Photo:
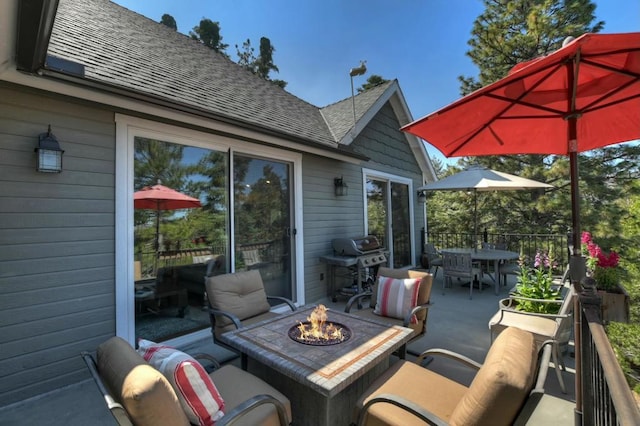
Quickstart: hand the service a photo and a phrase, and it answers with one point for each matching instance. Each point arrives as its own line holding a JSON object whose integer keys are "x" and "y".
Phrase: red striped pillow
{"x": 198, "y": 396}
{"x": 397, "y": 296}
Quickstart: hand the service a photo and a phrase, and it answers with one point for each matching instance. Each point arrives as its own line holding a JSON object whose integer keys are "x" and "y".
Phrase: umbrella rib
{"x": 588, "y": 108}
{"x": 611, "y": 69}
{"x": 553, "y": 111}
{"x": 512, "y": 103}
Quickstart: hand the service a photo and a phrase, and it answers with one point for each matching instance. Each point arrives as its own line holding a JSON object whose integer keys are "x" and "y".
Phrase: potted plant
{"x": 603, "y": 267}
{"x": 537, "y": 283}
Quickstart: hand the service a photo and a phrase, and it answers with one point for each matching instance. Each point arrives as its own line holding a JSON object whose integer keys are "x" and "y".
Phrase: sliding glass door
{"x": 389, "y": 217}
{"x": 238, "y": 215}
{"x": 262, "y": 221}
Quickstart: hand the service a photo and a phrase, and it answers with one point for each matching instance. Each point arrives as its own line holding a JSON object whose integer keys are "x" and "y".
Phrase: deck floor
{"x": 454, "y": 322}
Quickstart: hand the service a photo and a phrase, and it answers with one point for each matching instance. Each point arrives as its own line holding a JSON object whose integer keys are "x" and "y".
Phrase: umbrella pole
{"x": 157, "y": 243}
{"x": 475, "y": 220}
{"x": 576, "y": 265}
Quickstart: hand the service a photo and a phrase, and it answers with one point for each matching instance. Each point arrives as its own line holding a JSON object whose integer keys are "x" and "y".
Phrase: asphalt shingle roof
{"x": 124, "y": 49}
{"x": 339, "y": 116}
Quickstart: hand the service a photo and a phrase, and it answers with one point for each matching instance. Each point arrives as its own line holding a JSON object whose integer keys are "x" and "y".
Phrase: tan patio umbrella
{"x": 477, "y": 178}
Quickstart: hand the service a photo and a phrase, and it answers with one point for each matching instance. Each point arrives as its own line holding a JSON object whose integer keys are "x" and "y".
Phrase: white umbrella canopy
{"x": 477, "y": 178}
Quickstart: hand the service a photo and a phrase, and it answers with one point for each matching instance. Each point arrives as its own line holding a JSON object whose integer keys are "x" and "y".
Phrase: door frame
{"x": 127, "y": 128}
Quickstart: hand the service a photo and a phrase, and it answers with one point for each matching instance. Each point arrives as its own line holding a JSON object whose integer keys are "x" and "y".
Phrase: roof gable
{"x": 340, "y": 118}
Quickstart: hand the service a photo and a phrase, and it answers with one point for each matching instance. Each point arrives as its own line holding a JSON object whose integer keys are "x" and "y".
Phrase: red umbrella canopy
{"x": 594, "y": 79}
{"x": 159, "y": 197}
{"x": 583, "y": 96}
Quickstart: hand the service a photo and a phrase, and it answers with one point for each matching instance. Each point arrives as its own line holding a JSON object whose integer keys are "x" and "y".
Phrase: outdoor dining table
{"x": 489, "y": 255}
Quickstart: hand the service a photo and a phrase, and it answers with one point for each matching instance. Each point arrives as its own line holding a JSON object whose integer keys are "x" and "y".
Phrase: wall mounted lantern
{"x": 422, "y": 196}
{"x": 341, "y": 187}
{"x": 49, "y": 153}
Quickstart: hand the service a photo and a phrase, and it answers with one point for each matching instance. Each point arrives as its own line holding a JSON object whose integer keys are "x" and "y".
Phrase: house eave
{"x": 35, "y": 23}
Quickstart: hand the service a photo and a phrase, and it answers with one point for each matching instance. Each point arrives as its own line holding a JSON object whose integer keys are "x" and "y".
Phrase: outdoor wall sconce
{"x": 341, "y": 187}
{"x": 49, "y": 153}
{"x": 422, "y": 196}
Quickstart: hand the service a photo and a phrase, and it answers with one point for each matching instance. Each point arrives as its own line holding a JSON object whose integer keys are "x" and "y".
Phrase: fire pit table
{"x": 322, "y": 382}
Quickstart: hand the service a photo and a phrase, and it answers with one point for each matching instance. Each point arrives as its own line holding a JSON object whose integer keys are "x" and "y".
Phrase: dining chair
{"x": 460, "y": 265}
{"x": 433, "y": 258}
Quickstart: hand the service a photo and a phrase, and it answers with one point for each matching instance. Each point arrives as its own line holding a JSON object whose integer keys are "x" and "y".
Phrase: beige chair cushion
{"x": 430, "y": 390}
{"x": 143, "y": 391}
{"x": 238, "y": 386}
{"x": 240, "y": 293}
{"x": 502, "y": 384}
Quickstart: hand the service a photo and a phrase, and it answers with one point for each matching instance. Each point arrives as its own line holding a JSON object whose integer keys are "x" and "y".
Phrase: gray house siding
{"x": 386, "y": 146}
{"x": 57, "y": 245}
{"x": 389, "y": 152}
{"x": 327, "y": 216}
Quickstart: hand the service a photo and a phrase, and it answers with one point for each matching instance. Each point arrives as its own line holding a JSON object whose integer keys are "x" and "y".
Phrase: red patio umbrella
{"x": 583, "y": 96}
{"x": 158, "y": 198}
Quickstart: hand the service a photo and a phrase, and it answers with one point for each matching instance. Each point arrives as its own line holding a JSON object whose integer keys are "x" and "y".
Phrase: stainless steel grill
{"x": 358, "y": 259}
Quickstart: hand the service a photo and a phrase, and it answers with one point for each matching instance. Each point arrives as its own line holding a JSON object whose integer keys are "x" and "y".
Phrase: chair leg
{"x": 435, "y": 274}
{"x": 554, "y": 353}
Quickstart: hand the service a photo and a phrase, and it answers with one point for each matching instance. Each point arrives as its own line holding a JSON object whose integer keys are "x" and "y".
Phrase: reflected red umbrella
{"x": 583, "y": 96}
{"x": 158, "y": 198}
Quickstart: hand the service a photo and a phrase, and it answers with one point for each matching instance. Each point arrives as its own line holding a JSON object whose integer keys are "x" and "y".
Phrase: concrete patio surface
{"x": 454, "y": 322}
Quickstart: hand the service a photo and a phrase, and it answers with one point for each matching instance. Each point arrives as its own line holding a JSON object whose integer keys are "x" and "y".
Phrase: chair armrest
{"x": 515, "y": 297}
{"x": 356, "y": 298}
{"x": 418, "y": 411}
{"x": 510, "y": 307}
{"x": 236, "y": 321}
{"x": 413, "y": 311}
{"x": 285, "y": 300}
{"x": 450, "y": 355}
{"x": 213, "y": 360}
{"x": 116, "y": 409}
{"x": 237, "y": 413}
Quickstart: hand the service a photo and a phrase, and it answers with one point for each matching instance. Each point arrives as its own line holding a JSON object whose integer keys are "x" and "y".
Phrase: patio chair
{"x": 460, "y": 266}
{"x": 508, "y": 268}
{"x": 432, "y": 259}
{"x": 414, "y": 317}
{"x": 237, "y": 300}
{"x": 554, "y": 327}
{"x": 505, "y": 390}
{"x": 137, "y": 393}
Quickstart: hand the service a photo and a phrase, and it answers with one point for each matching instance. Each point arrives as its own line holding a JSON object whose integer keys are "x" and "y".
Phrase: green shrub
{"x": 625, "y": 341}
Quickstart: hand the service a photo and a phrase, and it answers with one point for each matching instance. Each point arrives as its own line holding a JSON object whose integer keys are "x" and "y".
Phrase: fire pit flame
{"x": 317, "y": 331}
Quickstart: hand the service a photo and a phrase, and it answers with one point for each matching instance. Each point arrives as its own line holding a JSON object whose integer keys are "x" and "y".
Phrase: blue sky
{"x": 422, "y": 43}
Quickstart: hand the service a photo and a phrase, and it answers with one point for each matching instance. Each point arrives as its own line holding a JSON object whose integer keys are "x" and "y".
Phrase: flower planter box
{"x": 615, "y": 305}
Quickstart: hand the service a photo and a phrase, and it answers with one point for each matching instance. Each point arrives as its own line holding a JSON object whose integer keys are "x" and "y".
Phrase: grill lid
{"x": 355, "y": 246}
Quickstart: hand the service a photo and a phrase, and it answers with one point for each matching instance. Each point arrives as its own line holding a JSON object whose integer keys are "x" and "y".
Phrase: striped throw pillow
{"x": 198, "y": 396}
{"x": 397, "y": 296}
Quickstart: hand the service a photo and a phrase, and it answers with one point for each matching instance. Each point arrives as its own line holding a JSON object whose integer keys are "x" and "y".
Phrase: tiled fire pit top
{"x": 327, "y": 369}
